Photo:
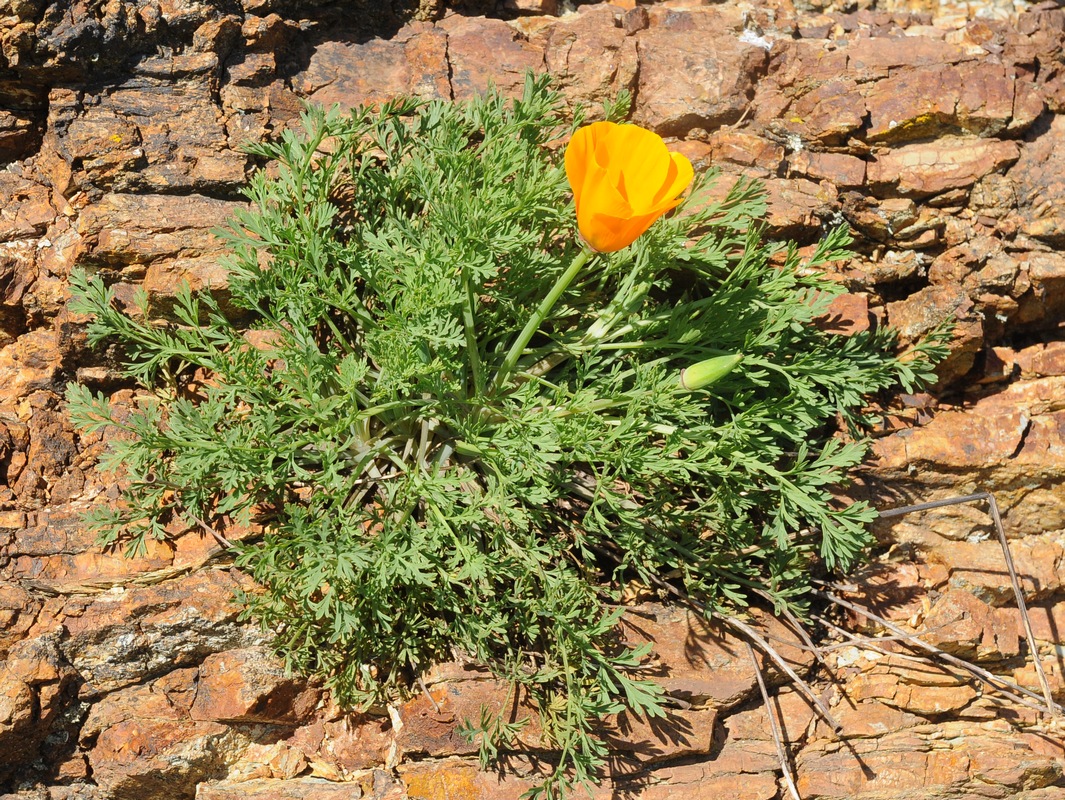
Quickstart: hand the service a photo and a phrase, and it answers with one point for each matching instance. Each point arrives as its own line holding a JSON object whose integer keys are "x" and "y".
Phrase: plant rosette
{"x": 468, "y": 432}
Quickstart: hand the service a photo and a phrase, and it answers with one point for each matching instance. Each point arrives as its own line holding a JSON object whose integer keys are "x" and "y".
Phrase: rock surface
{"x": 936, "y": 132}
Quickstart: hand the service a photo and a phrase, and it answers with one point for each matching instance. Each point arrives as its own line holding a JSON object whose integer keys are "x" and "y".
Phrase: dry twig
{"x": 989, "y": 678}
{"x": 429, "y": 697}
{"x": 750, "y": 635}
{"x": 1018, "y": 592}
{"x": 774, "y": 726}
{"x": 868, "y": 643}
{"x": 222, "y": 540}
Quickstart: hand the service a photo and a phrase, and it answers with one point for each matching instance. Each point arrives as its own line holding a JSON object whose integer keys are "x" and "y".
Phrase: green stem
{"x": 538, "y": 317}
{"x": 471, "y": 336}
{"x": 612, "y": 313}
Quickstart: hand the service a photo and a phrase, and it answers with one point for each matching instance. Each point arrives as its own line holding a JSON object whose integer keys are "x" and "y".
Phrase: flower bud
{"x": 700, "y": 375}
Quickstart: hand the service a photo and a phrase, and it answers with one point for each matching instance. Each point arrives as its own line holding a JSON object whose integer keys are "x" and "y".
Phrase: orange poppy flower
{"x": 623, "y": 179}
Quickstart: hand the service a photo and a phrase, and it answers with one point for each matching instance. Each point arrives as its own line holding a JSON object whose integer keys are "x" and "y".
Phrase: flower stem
{"x": 538, "y": 317}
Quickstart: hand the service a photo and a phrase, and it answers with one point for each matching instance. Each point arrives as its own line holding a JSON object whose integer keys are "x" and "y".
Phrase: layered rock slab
{"x": 851, "y": 122}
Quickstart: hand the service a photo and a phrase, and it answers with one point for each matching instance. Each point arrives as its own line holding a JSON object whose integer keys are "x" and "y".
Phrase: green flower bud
{"x": 467, "y": 449}
{"x": 706, "y": 372}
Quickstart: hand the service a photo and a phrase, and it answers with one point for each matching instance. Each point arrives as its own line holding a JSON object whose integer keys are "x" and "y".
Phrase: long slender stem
{"x": 988, "y": 677}
{"x": 746, "y": 631}
{"x": 774, "y": 727}
{"x": 538, "y": 317}
{"x": 1018, "y": 592}
{"x": 468, "y": 324}
{"x": 599, "y": 329}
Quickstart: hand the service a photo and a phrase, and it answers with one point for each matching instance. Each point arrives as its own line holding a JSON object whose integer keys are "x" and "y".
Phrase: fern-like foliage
{"x": 415, "y": 506}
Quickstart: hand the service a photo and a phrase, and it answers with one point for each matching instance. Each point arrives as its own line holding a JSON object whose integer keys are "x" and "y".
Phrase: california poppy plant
{"x": 623, "y": 179}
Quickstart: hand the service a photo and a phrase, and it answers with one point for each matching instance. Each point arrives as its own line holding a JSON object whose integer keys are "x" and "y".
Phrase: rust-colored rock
{"x": 868, "y": 719}
{"x": 978, "y": 567}
{"x": 794, "y": 715}
{"x": 125, "y": 229}
{"x": 1040, "y": 186}
{"x": 1048, "y": 620}
{"x": 935, "y": 136}
{"x": 678, "y": 733}
{"x": 897, "y": 590}
{"x": 375, "y": 786}
{"x": 925, "y": 691}
{"x": 896, "y": 764}
{"x": 798, "y": 208}
{"x": 250, "y": 685}
{"x": 691, "y": 661}
{"x": 35, "y": 683}
{"x": 937, "y": 166}
{"x": 1037, "y": 361}
{"x": 960, "y": 539}
{"x": 118, "y": 638}
{"x": 277, "y": 761}
{"x": 56, "y": 552}
{"x": 700, "y": 663}
{"x": 31, "y": 364}
{"x": 997, "y": 434}
{"x": 150, "y": 135}
{"x": 18, "y": 132}
{"x": 729, "y": 146}
{"x": 166, "y": 240}
{"x": 18, "y": 609}
{"x": 413, "y": 62}
{"x": 926, "y": 310}
{"x": 960, "y": 623}
{"x": 894, "y": 220}
{"x": 753, "y": 780}
{"x": 433, "y": 730}
{"x": 840, "y": 169}
{"x": 696, "y": 71}
{"x": 910, "y": 762}
{"x": 912, "y": 104}
{"x": 26, "y": 209}
{"x": 590, "y": 57}
{"x": 846, "y": 314}
{"x": 531, "y": 6}
{"x": 146, "y": 745}
{"x": 1027, "y": 677}
{"x": 1046, "y": 271}
{"x": 454, "y": 777}
{"x": 18, "y": 270}
{"x": 480, "y": 52}
{"x": 827, "y": 113}
{"x": 338, "y": 745}
{"x": 878, "y": 56}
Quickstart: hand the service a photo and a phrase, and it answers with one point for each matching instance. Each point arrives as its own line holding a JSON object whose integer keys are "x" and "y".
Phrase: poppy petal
{"x": 623, "y": 178}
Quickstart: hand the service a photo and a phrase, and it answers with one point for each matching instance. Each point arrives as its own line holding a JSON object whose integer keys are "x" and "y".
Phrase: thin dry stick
{"x": 797, "y": 627}
{"x": 101, "y": 585}
{"x": 774, "y": 726}
{"x": 1018, "y": 592}
{"x": 877, "y": 640}
{"x": 1048, "y": 695}
{"x": 871, "y": 644}
{"x": 425, "y": 691}
{"x": 988, "y": 677}
{"x": 222, "y": 540}
{"x": 752, "y": 635}
{"x": 748, "y": 633}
